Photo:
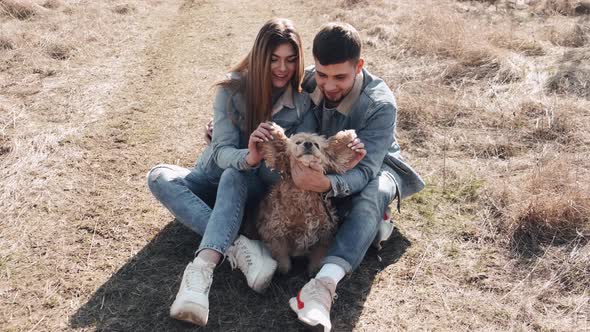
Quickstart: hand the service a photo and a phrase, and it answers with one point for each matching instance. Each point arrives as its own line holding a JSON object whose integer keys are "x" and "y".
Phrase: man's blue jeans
{"x": 362, "y": 215}
{"x": 189, "y": 194}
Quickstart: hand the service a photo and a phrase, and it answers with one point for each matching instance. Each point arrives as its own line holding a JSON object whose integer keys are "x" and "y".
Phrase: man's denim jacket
{"x": 228, "y": 146}
{"x": 370, "y": 110}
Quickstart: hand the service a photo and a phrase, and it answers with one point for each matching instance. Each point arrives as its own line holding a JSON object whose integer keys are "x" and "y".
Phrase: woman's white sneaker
{"x": 253, "y": 258}
{"x": 192, "y": 301}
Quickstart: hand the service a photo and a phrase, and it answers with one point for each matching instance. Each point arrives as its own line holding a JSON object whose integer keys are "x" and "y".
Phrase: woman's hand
{"x": 261, "y": 134}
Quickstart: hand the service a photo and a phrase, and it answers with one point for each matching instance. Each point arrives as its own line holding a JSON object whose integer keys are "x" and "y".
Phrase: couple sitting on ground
{"x": 270, "y": 84}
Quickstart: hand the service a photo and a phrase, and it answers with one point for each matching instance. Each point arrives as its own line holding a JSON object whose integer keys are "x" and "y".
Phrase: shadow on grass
{"x": 138, "y": 296}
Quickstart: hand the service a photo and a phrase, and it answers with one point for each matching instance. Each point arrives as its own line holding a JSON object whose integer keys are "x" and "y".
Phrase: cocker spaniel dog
{"x": 295, "y": 222}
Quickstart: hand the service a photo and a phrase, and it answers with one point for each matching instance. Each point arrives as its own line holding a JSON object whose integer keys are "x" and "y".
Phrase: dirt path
{"x": 84, "y": 235}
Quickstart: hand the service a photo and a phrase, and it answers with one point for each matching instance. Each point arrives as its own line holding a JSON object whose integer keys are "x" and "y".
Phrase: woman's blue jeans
{"x": 213, "y": 210}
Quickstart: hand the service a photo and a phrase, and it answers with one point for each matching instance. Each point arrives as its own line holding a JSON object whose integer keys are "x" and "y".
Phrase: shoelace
{"x": 241, "y": 253}
{"x": 322, "y": 295}
{"x": 198, "y": 280}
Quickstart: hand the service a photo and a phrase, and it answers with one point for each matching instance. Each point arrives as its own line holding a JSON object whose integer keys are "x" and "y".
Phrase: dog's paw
{"x": 275, "y": 150}
{"x": 339, "y": 154}
{"x": 277, "y": 132}
{"x": 284, "y": 265}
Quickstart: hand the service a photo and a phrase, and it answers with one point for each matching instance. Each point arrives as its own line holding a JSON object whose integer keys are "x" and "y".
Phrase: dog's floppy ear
{"x": 338, "y": 153}
{"x": 275, "y": 151}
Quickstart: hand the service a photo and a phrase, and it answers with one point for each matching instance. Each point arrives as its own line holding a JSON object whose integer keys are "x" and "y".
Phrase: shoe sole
{"x": 191, "y": 317}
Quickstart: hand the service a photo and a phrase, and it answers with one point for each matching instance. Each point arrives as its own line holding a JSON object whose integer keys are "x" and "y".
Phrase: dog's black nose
{"x": 307, "y": 145}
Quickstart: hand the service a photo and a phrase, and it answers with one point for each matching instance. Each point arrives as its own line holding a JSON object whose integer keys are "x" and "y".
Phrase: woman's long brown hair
{"x": 255, "y": 81}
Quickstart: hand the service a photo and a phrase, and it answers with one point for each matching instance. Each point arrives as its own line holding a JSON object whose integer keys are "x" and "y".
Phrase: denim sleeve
{"x": 226, "y": 135}
{"x": 377, "y": 135}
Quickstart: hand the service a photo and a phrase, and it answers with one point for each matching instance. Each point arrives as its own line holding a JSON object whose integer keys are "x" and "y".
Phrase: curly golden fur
{"x": 291, "y": 221}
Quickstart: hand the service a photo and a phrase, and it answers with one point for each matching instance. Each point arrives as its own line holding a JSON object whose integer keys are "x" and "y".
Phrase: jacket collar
{"x": 346, "y": 104}
{"x": 286, "y": 100}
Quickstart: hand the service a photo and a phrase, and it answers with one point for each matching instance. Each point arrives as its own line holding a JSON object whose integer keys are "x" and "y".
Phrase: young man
{"x": 346, "y": 96}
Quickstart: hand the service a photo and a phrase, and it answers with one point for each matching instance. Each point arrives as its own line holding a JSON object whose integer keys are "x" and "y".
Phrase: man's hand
{"x": 311, "y": 178}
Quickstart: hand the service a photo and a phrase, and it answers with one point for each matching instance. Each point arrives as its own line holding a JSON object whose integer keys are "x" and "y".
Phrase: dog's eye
{"x": 316, "y": 145}
{"x": 297, "y": 142}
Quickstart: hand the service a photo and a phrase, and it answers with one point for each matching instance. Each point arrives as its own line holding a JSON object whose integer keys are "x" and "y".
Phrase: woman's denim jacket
{"x": 228, "y": 147}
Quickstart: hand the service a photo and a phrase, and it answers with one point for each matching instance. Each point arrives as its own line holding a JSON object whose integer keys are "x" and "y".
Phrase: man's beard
{"x": 330, "y": 103}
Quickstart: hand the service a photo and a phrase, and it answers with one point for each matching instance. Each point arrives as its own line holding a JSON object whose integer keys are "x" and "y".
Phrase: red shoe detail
{"x": 299, "y": 302}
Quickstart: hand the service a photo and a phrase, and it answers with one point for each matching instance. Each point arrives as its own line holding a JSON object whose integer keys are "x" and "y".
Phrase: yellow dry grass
{"x": 20, "y": 9}
{"x": 493, "y": 111}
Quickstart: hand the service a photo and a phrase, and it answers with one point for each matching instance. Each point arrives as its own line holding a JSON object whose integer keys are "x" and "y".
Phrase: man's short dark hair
{"x": 337, "y": 43}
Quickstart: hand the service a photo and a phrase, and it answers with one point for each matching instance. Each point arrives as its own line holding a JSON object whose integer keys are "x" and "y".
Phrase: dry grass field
{"x": 494, "y": 111}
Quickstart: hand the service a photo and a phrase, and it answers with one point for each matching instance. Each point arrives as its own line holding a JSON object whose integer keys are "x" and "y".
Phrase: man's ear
{"x": 359, "y": 65}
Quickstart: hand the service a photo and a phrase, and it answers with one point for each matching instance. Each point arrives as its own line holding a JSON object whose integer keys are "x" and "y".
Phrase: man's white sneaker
{"x": 313, "y": 302}
{"x": 192, "y": 301}
{"x": 385, "y": 230}
{"x": 254, "y": 259}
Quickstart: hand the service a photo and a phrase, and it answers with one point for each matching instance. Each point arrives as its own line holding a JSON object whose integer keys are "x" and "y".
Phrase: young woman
{"x": 264, "y": 86}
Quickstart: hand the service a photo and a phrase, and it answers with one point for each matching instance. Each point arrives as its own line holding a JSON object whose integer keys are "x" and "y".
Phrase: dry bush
{"x": 573, "y": 76}
{"x": 124, "y": 9}
{"x": 583, "y": 8}
{"x": 525, "y": 46}
{"x": 58, "y": 50}
{"x": 483, "y": 64}
{"x": 552, "y": 218}
{"x": 550, "y": 207}
{"x": 568, "y": 268}
{"x": 445, "y": 33}
{"x": 441, "y": 33}
{"x": 571, "y": 80}
{"x": 429, "y": 105}
{"x": 573, "y": 35}
{"x": 564, "y": 7}
{"x": 6, "y": 43}
{"x": 574, "y": 273}
{"x": 382, "y": 32}
{"x": 560, "y": 128}
{"x": 20, "y": 9}
{"x": 548, "y": 122}
{"x": 488, "y": 1}
{"x": 564, "y": 271}
{"x": 500, "y": 148}
{"x": 532, "y": 109}
{"x": 52, "y": 4}
{"x": 350, "y": 3}
{"x": 5, "y": 146}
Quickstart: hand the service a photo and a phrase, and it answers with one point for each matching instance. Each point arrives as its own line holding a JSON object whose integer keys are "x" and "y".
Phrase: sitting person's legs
{"x": 235, "y": 187}
{"x": 187, "y": 193}
{"x": 353, "y": 239}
